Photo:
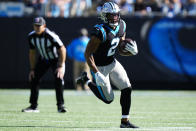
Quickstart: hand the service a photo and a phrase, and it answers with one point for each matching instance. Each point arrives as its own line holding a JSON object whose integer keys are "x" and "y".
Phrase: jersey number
{"x": 114, "y": 44}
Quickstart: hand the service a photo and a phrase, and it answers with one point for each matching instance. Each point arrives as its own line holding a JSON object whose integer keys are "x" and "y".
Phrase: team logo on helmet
{"x": 110, "y": 13}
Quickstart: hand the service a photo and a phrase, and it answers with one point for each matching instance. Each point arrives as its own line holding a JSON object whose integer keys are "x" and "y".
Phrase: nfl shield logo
{"x": 36, "y": 20}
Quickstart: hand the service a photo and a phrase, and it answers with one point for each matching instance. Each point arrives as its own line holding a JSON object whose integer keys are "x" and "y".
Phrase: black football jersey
{"x": 110, "y": 38}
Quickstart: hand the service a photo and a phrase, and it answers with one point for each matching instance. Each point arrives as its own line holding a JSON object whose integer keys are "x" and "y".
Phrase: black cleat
{"x": 82, "y": 79}
{"x": 127, "y": 125}
{"x": 62, "y": 109}
{"x": 30, "y": 109}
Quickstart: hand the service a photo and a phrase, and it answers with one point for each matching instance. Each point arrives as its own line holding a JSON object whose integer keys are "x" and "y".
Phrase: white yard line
{"x": 98, "y": 122}
{"x": 36, "y": 121}
{"x": 186, "y": 128}
{"x": 187, "y": 113}
{"x": 180, "y": 124}
{"x": 95, "y": 116}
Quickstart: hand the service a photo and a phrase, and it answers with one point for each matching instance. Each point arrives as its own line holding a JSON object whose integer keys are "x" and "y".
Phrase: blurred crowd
{"x": 77, "y": 8}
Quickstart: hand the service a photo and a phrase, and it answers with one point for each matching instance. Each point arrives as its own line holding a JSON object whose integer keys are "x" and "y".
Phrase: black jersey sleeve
{"x": 99, "y": 32}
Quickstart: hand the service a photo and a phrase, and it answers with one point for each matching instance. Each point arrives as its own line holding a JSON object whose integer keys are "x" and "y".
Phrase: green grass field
{"x": 151, "y": 110}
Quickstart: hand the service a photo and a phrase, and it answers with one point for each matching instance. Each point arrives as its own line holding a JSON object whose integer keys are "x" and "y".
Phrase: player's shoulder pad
{"x": 124, "y": 24}
{"x": 100, "y": 28}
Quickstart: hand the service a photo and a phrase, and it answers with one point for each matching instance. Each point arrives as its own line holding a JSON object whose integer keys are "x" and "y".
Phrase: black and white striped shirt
{"x": 47, "y": 44}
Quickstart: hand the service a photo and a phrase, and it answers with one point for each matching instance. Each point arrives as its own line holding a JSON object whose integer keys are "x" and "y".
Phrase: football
{"x": 123, "y": 44}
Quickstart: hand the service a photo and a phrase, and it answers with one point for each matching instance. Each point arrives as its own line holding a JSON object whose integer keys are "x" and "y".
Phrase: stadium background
{"x": 166, "y": 42}
{"x": 166, "y": 58}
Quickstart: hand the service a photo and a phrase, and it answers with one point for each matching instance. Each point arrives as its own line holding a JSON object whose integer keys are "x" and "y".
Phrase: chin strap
{"x": 114, "y": 25}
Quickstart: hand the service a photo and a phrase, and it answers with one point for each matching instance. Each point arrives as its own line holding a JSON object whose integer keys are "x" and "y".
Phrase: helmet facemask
{"x": 110, "y": 14}
{"x": 113, "y": 19}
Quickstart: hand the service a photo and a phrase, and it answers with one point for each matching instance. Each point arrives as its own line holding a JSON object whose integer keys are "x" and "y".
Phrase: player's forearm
{"x": 62, "y": 56}
{"x": 91, "y": 62}
{"x": 32, "y": 59}
{"x": 90, "y": 49}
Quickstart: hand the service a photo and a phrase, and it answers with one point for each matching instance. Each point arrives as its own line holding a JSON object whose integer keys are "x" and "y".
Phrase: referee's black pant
{"x": 41, "y": 68}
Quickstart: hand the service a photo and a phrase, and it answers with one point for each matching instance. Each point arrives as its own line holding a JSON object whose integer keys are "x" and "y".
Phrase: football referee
{"x": 52, "y": 54}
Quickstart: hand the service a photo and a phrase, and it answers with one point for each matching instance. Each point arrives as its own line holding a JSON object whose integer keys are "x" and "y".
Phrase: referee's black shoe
{"x": 127, "y": 124}
{"x": 30, "y": 109}
{"x": 61, "y": 109}
{"x": 82, "y": 79}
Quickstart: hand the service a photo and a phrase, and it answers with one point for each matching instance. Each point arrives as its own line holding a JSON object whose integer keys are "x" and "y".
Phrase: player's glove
{"x": 132, "y": 47}
{"x": 100, "y": 79}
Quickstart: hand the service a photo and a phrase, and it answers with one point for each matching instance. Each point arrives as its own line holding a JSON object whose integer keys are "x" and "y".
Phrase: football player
{"x": 105, "y": 69}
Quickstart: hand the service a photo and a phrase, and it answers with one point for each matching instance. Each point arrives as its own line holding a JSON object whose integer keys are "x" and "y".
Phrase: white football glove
{"x": 132, "y": 48}
{"x": 100, "y": 79}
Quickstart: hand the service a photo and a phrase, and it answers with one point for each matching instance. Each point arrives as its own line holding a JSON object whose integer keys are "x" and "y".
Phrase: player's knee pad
{"x": 109, "y": 98}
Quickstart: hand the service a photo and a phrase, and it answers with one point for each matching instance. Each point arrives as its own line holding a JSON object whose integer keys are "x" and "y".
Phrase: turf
{"x": 151, "y": 110}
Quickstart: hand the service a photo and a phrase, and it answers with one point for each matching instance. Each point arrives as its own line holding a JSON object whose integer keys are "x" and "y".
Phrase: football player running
{"x": 104, "y": 67}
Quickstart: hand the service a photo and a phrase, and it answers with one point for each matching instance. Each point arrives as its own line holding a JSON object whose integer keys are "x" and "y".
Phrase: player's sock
{"x": 125, "y": 101}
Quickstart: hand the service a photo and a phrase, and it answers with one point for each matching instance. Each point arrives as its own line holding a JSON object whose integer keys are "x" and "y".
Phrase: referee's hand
{"x": 60, "y": 72}
{"x": 31, "y": 75}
